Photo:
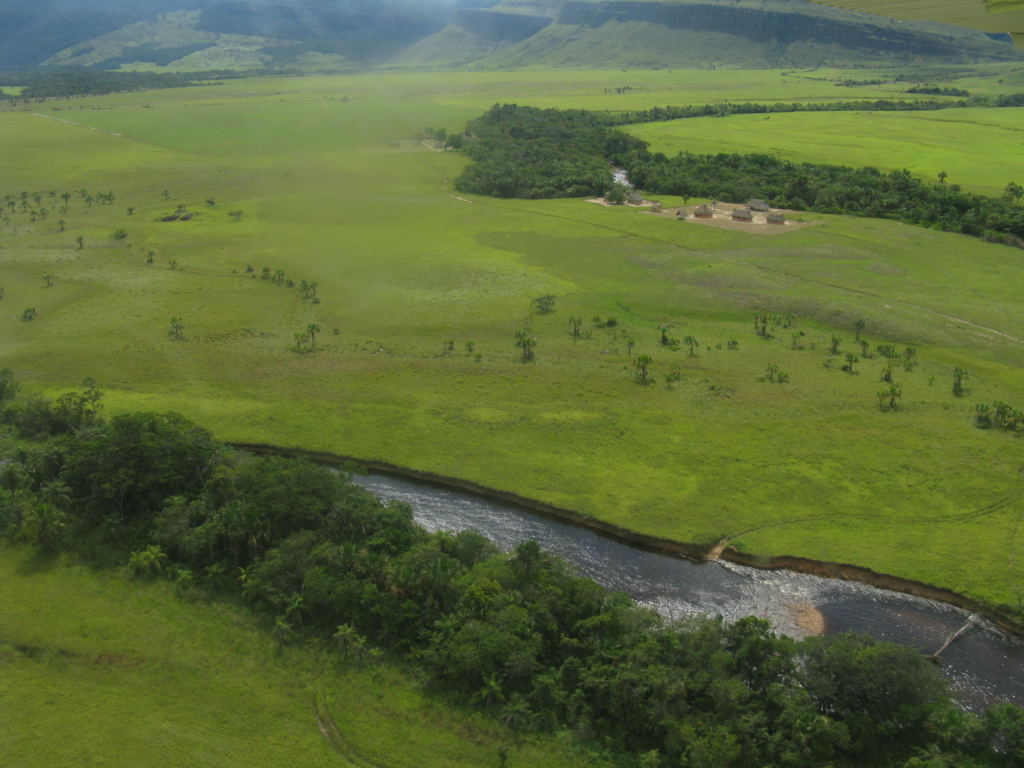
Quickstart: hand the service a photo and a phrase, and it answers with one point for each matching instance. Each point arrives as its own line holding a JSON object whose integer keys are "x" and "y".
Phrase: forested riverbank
{"x": 519, "y": 635}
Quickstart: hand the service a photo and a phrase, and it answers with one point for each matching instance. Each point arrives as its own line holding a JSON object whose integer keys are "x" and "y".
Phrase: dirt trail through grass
{"x": 334, "y": 737}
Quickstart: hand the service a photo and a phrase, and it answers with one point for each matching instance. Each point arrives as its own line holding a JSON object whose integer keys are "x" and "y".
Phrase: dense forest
{"x": 518, "y": 635}
{"x": 530, "y": 152}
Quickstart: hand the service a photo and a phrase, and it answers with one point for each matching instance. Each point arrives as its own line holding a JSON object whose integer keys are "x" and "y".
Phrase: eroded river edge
{"x": 657, "y": 544}
{"x": 798, "y": 597}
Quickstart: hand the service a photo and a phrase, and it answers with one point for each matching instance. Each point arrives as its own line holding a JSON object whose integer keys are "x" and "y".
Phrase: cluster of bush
{"x": 518, "y": 635}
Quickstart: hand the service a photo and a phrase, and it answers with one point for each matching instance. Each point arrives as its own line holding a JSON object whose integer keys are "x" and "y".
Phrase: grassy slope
{"x": 97, "y": 670}
{"x": 333, "y": 193}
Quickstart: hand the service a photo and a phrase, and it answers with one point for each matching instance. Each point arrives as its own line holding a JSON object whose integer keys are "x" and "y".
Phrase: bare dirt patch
{"x": 602, "y": 201}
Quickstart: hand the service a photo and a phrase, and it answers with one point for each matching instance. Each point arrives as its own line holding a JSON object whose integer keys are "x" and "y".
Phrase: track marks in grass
{"x": 901, "y": 302}
{"x": 325, "y": 723}
{"x": 1015, "y": 494}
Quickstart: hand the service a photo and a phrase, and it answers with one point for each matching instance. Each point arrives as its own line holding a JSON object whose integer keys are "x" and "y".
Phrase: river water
{"x": 984, "y": 665}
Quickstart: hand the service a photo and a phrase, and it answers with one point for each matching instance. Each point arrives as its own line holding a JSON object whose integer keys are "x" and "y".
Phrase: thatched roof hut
{"x": 742, "y": 214}
{"x": 655, "y": 207}
{"x": 776, "y": 217}
{"x": 758, "y": 205}
{"x": 702, "y": 211}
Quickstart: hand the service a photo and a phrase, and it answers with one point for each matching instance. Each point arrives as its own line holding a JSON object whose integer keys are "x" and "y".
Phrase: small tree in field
{"x": 526, "y": 343}
{"x": 642, "y": 365}
{"x": 574, "y": 326}
{"x": 889, "y": 399}
{"x": 176, "y": 331}
{"x": 959, "y": 374}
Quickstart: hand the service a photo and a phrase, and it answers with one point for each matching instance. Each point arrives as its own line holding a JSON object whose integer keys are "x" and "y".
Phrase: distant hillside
{"x": 33, "y": 30}
{"x": 306, "y": 35}
{"x": 687, "y": 33}
{"x": 191, "y": 35}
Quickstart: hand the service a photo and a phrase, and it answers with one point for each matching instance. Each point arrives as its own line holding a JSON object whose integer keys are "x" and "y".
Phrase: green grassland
{"x": 971, "y": 145}
{"x": 99, "y": 670}
{"x": 334, "y": 190}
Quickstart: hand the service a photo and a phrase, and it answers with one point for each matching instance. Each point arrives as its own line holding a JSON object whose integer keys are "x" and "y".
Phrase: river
{"x": 984, "y": 665}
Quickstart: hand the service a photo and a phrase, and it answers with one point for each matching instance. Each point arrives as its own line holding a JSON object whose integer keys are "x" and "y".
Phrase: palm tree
{"x": 351, "y": 645}
{"x": 574, "y": 325}
{"x": 526, "y": 343}
{"x": 959, "y": 374}
{"x": 312, "y": 329}
{"x": 834, "y": 345}
{"x": 642, "y": 363}
{"x": 691, "y": 342}
{"x": 176, "y": 330}
{"x": 888, "y": 399}
{"x": 490, "y": 693}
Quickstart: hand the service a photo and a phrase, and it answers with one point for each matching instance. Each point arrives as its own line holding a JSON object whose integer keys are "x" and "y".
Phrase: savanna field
{"x": 420, "y": 291}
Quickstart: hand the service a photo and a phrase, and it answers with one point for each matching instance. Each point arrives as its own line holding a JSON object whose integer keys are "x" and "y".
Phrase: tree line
{"x": 835, "y": 189}
{"x": 517, "y": 635}
{"x": 724, "y": 109}
{"x": 52, "y": 82}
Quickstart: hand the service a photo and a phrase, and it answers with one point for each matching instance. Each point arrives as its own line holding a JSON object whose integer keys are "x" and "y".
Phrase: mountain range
{"x": 323, "y": 35}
